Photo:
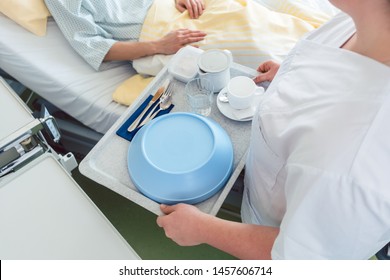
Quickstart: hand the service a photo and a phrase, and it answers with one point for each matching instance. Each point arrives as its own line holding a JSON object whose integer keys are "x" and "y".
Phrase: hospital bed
{"x": 51, "y": 68}
{"x": 65, "y": 83}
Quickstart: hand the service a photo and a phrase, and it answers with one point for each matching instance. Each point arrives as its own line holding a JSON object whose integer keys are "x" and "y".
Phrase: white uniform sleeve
{"x": 78, "y": 26}
{"x": 330, "y": 217}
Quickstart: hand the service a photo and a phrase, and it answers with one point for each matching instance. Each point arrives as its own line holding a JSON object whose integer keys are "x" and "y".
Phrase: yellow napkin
{"x": 130, "y": 89}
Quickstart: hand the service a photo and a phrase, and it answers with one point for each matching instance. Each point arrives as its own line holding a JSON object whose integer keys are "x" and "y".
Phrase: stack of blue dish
{"x": 180, "y": 157}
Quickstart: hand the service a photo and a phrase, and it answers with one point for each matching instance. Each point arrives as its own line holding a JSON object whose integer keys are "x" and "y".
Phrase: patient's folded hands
{"x": 195, "y": 8}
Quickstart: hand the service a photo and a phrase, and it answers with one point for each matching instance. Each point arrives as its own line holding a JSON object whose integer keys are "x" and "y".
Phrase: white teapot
{"x": 214, "y": 65}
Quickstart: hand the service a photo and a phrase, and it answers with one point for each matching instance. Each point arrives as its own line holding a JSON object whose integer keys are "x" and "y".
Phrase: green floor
{"x": 138, "y": 226}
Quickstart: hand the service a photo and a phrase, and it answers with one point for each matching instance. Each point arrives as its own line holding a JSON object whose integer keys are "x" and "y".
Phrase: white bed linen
{"x": 51, "y": 68}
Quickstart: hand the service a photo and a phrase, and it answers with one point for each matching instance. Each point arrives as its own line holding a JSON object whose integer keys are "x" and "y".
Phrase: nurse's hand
{"x": 268, "y": 71}
{"x": 183, "y": 223}
{"x": 175, "y": 40}
{"x": 195, "y": 8}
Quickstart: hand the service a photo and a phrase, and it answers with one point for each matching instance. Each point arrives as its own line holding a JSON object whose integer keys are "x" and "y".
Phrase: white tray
{"x": 107, "y": 162}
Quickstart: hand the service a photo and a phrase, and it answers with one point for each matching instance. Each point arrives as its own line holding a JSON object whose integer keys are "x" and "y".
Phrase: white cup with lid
{"x": 241, "y": 91}
{"x": 214, "y": 65}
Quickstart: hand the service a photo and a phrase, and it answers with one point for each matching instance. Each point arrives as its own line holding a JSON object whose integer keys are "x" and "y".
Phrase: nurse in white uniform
{"x": 317, "y": 180}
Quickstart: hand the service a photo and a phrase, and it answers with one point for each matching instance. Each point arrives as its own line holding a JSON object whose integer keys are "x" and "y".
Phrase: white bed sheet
{"x": 51, "y": 68}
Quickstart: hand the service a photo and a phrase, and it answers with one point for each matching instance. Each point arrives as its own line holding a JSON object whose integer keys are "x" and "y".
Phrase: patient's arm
{"x": 109, "y": 30}
{"x": 169, "y": 44}
{"x": 195, "y": 8}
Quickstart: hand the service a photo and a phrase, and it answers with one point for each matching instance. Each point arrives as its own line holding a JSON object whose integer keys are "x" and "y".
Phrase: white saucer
{"x": 243, "y": 115}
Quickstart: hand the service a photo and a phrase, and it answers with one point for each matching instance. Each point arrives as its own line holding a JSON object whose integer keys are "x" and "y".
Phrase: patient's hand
{"x": 195, "y": 8}
{"x": 174, "y": 40}
{"x": 268, "y": 71}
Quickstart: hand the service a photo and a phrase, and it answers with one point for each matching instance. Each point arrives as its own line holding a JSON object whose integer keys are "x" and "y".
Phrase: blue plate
{"x": 180, "y": 157}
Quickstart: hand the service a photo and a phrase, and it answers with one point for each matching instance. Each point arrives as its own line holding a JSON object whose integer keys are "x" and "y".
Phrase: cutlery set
{"x": 161, "y": 100}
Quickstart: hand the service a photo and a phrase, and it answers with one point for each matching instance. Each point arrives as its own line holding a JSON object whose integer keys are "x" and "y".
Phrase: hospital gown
{"x": 318, "y": 164}
{"x": 93, "y": 26}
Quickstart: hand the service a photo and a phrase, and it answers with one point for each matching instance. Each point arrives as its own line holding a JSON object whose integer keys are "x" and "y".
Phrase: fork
{"x": 164, "y": 99}
{"x": 151, "y": 103}
{"x": 163, "y": 105}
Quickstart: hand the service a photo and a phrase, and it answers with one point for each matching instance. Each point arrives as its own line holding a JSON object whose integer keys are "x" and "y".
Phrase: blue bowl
{"x": 180, "y": 157}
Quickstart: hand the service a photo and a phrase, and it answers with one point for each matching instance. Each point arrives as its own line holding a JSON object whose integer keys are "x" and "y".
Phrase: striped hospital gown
{"x": 93, "y": 26}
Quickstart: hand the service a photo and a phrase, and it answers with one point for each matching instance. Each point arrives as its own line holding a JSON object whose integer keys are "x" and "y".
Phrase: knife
{"x": 156, "y": 96}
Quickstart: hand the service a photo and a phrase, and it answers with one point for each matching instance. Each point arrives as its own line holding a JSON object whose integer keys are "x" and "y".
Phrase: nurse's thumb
{"x": 167, "y": 209}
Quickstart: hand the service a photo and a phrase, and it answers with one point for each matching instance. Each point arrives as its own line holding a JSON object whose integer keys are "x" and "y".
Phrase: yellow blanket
{"x": 315, "y": 12}
{"x": 250, "y": 31}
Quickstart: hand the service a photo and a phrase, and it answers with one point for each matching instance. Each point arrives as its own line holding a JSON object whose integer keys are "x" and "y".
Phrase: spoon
{"x": 223, "y": 97}
{"x": 164, "y": 104}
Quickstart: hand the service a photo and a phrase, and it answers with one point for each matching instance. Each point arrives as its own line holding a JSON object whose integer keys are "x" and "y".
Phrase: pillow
{"x": 31, "y": 14}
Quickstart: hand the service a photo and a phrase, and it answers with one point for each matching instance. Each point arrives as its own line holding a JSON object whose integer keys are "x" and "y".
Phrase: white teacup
{"x": 241, "y": 91}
